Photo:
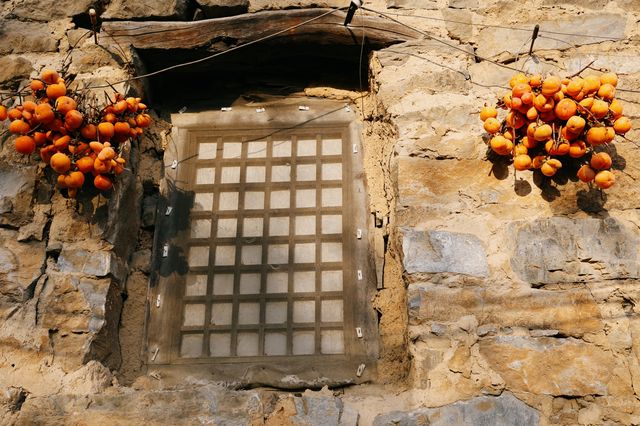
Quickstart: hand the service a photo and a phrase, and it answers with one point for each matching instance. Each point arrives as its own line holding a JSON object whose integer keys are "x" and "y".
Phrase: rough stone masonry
{"x": 517, "y": 299}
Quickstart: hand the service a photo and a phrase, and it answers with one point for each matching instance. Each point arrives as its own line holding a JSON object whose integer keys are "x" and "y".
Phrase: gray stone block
{"x": 21, "y": 37}
{"x": 98, "y": 264}
{"x": 505, "y": 410}
{"x": 13, "y": 69}
{"x": 493, "y": 41}
{"x": 560, "y": 249}
{"x": 442, "y": 251}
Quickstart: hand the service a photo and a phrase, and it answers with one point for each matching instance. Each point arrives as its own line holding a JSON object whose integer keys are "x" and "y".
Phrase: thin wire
{"x": 206, "y": 58}
{"x": 453, "y": 46}
{"x": 431, "y": 37}
{"x": 502, "y": 26}
{"x": 463, "y": 73}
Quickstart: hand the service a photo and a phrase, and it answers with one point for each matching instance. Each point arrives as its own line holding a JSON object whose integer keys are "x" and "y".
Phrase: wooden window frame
{"x": 164, "y": 313}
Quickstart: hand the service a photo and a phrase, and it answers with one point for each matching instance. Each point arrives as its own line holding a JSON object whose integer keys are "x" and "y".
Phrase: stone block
{"x": 571, "y": 312}
{"x": 494, "y": 41}
{"x": 463, "y": 4}
{"x": 16, "y": 190}
{"x": 504, "y": 410}
{"x": 49, "y": 10}
{"x": 619, "y": 62}
{"x": 441, "y": 251}
{"x": 413, "y": 4}
{"x": 21, "y": 37}
{"x": 461, "y": 29}
{"x": 629, "y": 5}
{"x": 96, "y": 263}
{"x": 587, "y": 4}
{"x": 220, "y": 8}
{"x": 21, "y": 264}
{"x": 14, "y": 69}
{"x": 550, "y": 366}
{"x": 147, "y": 9}
{"x": 84, "y": 314}
{"x": 257, "y": 5}
{"x": 202, "y": 403}
{"x": 89, "y": 58}
{"x": 559, "y": 249}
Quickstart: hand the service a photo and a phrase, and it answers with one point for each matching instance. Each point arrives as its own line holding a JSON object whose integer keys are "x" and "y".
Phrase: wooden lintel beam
{"x": 222, "y": 33}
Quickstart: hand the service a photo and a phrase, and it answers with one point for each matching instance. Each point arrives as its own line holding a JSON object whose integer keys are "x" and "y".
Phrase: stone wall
{"x": 517, "y": 298}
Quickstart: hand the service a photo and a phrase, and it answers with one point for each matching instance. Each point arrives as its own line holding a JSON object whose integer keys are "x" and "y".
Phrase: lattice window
{"x": 276, "y": 263}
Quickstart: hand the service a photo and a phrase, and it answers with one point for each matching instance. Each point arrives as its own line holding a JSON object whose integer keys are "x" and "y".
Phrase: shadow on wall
{"x": 168, "y": 228}
{"x": 592, "y": 200}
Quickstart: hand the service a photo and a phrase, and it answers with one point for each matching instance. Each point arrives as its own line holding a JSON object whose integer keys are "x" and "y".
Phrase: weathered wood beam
{"x": 222, "y": 33}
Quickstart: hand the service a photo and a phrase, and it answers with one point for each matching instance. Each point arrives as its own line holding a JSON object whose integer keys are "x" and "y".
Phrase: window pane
{"x": 305, "y": 198}
{"x": 256, "y": 174}
{"x": 332, "y": 147}
{"x": 332, "y": 342}
{"x": 221, "y": 313}
{"x": 331, "y": 280}
{"x": 332, "y": 224}
{"x": 196, "y": 285}
{"x": 252, "y": 227}
{"x": 207, "y": 151}
{"x": 220, "y": 344}
{"x": 332, "y": 171}
{"x": 305, "y": 253}
{"x": 304, "y": 311}
{"x": 222, "y": 284}
{"x": 249, "y": 313}
{"x": 191, "y": 346}
{"x": 205, "y": 176}
{"x": 279, "y": 226}
{"x": 282, "y": 148}
{"x": 280, "y": 199}
{"x": 331, "y": 197}
{"x": 227, "y": 228}
{"x": 247, "y": 344}
{"x": 232, "y": 150}
{"x": 225, "y": 255}
{"x": 199, "y": 256}
{"x": 193, "y": 315}
{"x": 228, "y": 201}
{"x": 304, "y": 282}
{"x": 276, "y": 312}
{"x": 257, "y": 149}
{"x": 201, "y": 228}
{"x": 230, "y": 175}
{"x": 203, "y": 201}
{"x": 331, "y": 311}
{"x": 253, "y": 200}
{"x": 332, "y": 252}
{"x": 303, "y": 342}
{"x": 249, "y": 283}
{"x": 275, "y": 344}
{"x": 278, "y": 254}
{"x": 306, "y": 172}
{"x": 306, "y": 147}
{"x": 277, "y": 282}
{"x": 305, "y": 225}
{"x": 280, "y": 173}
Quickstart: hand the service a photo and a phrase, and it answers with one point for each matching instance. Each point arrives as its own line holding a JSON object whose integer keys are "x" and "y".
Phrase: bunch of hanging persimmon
{"x": 73, "y": 136}
{"x": 553, "y": 121}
